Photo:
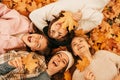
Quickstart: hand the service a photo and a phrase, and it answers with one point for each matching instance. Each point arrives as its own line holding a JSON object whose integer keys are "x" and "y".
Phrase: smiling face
{"x": 58, "y": 62}
{"x": 79, "y": 46}
{"x": 56, "y": 31}
{"x": 36, "y": 42}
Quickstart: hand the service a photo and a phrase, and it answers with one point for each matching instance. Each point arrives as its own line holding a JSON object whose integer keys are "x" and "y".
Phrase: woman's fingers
{"x": 17, "y": 62}
{"x": 89, "y": 76}
{"x": 77, "y": 16}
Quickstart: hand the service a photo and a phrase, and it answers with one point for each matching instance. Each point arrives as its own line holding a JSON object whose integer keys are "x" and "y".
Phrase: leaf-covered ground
{"x": 107, "y": 35}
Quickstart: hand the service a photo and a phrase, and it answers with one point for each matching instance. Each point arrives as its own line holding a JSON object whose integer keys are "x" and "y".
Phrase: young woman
{"x": 13, "y": 65}
{"x": 103, "y": 65}
{"x": 87, "y": 16}
{"x": 63, "y": 60}
{"x": 15, "y": 32}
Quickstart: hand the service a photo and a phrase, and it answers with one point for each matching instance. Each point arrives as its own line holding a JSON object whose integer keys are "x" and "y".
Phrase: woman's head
{"x": 37, "y": 42}
{"x": 59, "y": 61}
{"x": 79, "y": 46}
{"x": 56, "y": 31}
{"x": 61, "y": 26}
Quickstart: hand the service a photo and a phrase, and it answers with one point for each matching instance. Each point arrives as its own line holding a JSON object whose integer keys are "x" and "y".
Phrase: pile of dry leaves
{"x": 107, "y": 35}
{"x": 26, "y": 6}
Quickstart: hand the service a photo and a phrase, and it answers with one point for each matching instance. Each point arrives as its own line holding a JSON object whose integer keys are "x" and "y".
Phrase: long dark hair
{"x": 61, "y": 42}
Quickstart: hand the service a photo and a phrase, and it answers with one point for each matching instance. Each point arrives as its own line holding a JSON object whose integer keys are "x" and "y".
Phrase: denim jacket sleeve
{"x": 43, "y": 76}
{"x": 5, "y": 68}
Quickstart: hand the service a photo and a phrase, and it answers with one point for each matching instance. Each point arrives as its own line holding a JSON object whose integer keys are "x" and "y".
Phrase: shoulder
{"x": 104, "y": 53}
{"x": 77, "y": 75}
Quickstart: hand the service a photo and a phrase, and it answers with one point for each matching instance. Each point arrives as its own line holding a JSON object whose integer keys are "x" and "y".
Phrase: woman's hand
{"x": 16, "y": 62}
{"x": 89, "y": 76}
{"x": 77, "y": 16}
{"x": 117, "y": 77}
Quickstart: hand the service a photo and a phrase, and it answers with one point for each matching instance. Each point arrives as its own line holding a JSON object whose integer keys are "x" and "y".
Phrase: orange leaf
{"x": 82, "y": 64}
{"x": 67, "y": 75}
{"x": 30, "y": 63}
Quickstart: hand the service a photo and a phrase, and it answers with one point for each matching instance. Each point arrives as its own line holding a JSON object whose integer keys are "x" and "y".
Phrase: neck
{"x": 88, "y": 55}
{"x": 50, "y": 73}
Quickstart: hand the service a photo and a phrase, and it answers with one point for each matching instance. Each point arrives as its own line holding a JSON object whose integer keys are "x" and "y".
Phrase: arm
{"x": 91, "y": 18}
{"x": 111, "y": 56}
{"x": 39, "y": 16}
{"x": 3, "y": 9}
{"x": 5, "y": 68}
{"x": 10, "y": 42}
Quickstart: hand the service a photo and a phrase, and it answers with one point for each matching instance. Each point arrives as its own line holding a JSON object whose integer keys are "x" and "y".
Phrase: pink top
{"x": 12, "y": 24}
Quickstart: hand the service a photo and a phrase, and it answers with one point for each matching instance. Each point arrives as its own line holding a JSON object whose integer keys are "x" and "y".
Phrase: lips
{"x": 80, "y": 47}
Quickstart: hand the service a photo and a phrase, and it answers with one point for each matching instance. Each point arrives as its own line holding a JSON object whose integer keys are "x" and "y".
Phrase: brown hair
{"x": 54, "y": 20}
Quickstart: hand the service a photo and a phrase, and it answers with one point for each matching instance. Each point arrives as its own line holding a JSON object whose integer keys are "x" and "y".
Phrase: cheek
{"x": 54, "y": 27}
{"x": 76, "y": 52}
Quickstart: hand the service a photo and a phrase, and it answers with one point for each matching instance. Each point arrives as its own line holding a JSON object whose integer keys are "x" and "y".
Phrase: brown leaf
{"x": 30, "y": 63}
{"x": 82, "y": 64}
{"x": 67, "y": 75}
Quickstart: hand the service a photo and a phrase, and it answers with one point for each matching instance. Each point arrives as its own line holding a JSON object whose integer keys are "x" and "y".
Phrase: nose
{"x": 58, "y": 59}
{"x": 34, "y": 39}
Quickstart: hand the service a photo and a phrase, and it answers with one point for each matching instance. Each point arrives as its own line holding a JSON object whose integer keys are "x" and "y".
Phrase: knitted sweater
{"x": 105, "y": 66}
{"x": 91, "y": 12}
{"x": 12, "y": 24}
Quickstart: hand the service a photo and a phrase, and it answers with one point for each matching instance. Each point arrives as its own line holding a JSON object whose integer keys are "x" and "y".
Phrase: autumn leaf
{"x": 31, "y": 6}
{"x": 67, "y": 75}
{"x": 24, "y": 7}
{"x": 30, "y": 63}
{"x": 82, "y": 64}
{"x": 68, "y": 21}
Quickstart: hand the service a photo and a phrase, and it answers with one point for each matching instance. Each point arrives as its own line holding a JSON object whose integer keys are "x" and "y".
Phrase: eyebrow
{"x": 60, "y": 55}
{"x": 59, "y": 33}
{"x": 65, "y": 60}
{"x": 73, "y": 43}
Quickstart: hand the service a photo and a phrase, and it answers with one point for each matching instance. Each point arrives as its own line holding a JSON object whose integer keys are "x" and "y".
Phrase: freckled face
{"x": 35, "y": 41}
{"x": 79, "y": 46}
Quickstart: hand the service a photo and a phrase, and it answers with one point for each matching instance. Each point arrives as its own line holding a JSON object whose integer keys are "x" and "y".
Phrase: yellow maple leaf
{"x": 82, "y": 64}
{"x": 29, "y": 63}
{"x": 68, "y": 21}
{"x": 67, "y": 75}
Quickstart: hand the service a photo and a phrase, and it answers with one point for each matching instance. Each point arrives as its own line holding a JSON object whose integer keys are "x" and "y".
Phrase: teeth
{"x": 55, "y": 64}
{"x": 29, "y": 38}
{"x": 80, "y": 47}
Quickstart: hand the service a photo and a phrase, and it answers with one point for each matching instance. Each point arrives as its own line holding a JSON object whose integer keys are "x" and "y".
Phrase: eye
{"x": 80, "y": 40}
{"x": 64, "y": 61}
{"x": 38, "y": 45}
{"x": 58, "y": 55}
{"x": 59, "y": 34}
{"x": 52, "y": 31}
{"x": 41, "y": 37}
{"x": 74, "y": 44}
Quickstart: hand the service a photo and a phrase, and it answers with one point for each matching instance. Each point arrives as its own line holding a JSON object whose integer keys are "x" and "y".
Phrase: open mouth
{"x": 80, "y": 47}
{"x": 29, "y": 38}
